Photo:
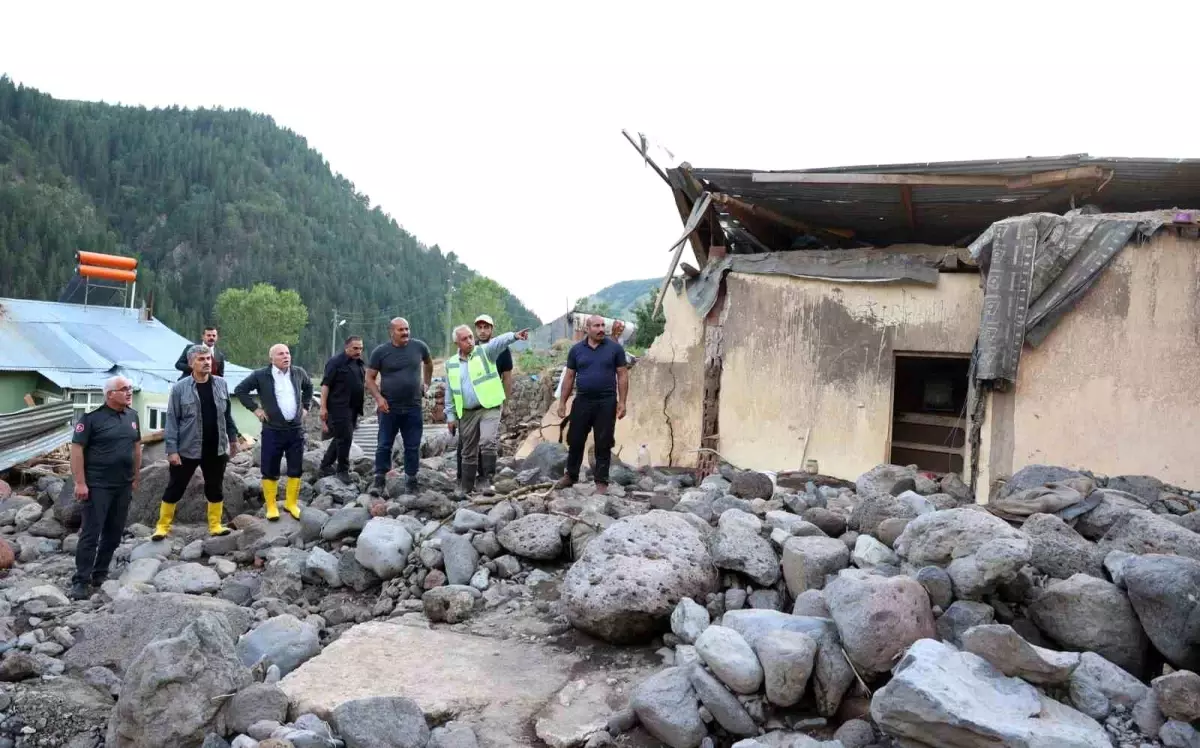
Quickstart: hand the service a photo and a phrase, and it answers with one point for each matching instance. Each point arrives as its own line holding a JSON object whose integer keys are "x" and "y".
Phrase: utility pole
{"x": 449, "y": 309}
{"x": 333, "y": 336}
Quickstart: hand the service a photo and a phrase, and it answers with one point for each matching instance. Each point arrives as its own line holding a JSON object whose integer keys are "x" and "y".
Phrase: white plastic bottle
{"x": 643, "y": 460}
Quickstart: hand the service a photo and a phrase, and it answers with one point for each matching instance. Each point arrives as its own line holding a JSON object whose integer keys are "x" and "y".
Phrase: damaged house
{"x": 969, "y": 318}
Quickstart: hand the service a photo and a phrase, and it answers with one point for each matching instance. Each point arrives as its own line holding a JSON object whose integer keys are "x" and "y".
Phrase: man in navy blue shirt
{"x": 599, "y": 375}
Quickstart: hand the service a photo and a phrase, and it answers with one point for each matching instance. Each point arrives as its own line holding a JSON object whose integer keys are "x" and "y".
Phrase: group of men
{"x": 200, "y": 432}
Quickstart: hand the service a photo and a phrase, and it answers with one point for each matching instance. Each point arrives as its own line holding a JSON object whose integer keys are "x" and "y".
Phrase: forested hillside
{"x": 208, "y": 199}
{"x": 621, "y": 298}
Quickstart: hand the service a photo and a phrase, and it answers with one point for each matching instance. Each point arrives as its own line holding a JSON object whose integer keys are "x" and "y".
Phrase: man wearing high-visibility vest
{"x": 473, "y": 407}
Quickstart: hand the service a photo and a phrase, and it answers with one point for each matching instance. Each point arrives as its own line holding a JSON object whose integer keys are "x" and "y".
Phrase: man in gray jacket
{"x": 200, "y": 433}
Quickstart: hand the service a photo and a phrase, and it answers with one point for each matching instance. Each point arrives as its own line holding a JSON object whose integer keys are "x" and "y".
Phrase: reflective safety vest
{"x": 489, "y": 388}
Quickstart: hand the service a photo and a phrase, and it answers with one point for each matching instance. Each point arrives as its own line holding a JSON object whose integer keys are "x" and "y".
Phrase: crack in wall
{"x": 667, "y": 415}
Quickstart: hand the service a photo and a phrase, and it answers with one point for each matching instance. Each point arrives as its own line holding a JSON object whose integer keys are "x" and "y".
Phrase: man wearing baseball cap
{"x": 485, "y": 327}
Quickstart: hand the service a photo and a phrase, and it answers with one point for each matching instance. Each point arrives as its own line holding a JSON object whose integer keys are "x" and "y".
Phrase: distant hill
{"x": 622, "y": 297}
{"x": 208, "y": 200}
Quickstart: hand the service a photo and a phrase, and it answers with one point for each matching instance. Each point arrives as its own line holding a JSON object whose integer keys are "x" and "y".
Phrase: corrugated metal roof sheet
{"x": 949, "y": 214}
{"x": 78, "y": 347}
{"x": 20, "y": 425}
{"x": 34, "y": 447}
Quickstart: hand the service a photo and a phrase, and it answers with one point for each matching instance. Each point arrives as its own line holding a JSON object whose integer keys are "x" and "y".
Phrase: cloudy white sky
{"x": 494, "y": 129}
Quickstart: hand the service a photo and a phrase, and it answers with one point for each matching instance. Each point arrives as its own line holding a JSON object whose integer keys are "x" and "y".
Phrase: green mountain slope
{"x": 208, "y": 199}
{"x": 622, "y": 297}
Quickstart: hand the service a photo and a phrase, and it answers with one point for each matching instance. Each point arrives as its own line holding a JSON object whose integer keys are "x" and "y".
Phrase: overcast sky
{"x": 494, "y": 129}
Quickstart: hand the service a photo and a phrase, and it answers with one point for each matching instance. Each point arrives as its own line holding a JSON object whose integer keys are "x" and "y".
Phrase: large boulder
{"x": 381, "y": 722}
{"x": 878, "y": 617}
{"x": 175, "y": 688}
{"x": 979, "y": 551}
{"x": 728, "y": 655}
{"x": 189, "y": 578}
{"x": 193, "y": 507}
{"x": 873, "y": 510}
{"x": 1087, "y": 614}
{"x": 1002, "y": 646}
{"x": 736, "y": 548}
{"x": 669, "y": 709}
{"x": 958, "y": 697}
{"x": 751, "y": 485}
{"x": 261, "y": 701}
{"x": 535, "y": 536}
{"x": 112, "y": 640}
{"x": 723, "y": 705}
{"x": 1162, "y": 590}
{"x": 549, "y": 459}
{"x": 883, "y": 480}
{"x": 383, "y": 546}
{"x": 808, "y": 560}
{"x": 787, "y": 659}
{"x": 1036, "y": 476}
{"x": 1059, "y": 551}
{"x": 1110, "y": 507}
{"x": 1097, "y": 686}
{"x": 629, "y": 579}
{"x": 1142, "y": 532}
{"x": 284, "y": 641}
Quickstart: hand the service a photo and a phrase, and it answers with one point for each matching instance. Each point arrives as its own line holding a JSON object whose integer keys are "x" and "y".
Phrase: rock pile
{"x": 751, "y": 609}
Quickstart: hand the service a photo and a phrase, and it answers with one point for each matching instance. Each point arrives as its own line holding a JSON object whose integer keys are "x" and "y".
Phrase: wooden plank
{"x": 1021, "y": 181}
{"x": 907, "y": 201}
{"x": 735, "y": 205}
{"x": 929, "y": 419}
{"x": 937, "y": 448}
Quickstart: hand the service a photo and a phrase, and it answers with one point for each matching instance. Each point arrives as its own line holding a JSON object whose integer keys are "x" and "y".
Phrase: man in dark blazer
{"x": 209, "y": 338}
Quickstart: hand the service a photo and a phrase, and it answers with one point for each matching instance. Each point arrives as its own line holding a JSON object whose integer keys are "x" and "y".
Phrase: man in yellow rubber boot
{"x": 200, "y": 433}
{"x": 286, "y": 393}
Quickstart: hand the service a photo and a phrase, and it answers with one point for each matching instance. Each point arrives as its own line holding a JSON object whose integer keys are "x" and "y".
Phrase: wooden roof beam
{"x": 1017, "y": 182}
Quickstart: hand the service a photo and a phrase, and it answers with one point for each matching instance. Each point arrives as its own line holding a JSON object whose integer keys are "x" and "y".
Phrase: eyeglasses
{"x": 123, "y": 389}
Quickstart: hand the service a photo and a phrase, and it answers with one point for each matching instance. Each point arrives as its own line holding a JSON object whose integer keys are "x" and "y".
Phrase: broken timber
{"x": 714, "y": 366}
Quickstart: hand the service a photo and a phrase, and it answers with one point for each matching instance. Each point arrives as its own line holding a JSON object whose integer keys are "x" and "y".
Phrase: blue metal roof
{"x": 78, "y": 347}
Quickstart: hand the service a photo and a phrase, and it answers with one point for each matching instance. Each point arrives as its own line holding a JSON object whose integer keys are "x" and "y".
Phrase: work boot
{"x": 379, "y": 486}
{"x": 270, "y": 489}
{"x": 325, "y": 471}
{"x": 215, "y": 528}
{"x": 80, "y": 591}
{"x": 467, "y": 484}
{"x": 291, "y": 504}
{"x": 166, "y": 515}
{"x": 564, "y": 482}
{"x": 487, "y": 469}
{"x": 411, "y": 484}
{"x": 344, "y": 477}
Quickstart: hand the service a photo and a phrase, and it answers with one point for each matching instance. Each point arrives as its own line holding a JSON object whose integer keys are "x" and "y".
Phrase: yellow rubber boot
{"x": 215, "y": 528}
{"x": 166, "y": 515}
{"x": 291, "y": 504}
{"x": 270, "y": 489}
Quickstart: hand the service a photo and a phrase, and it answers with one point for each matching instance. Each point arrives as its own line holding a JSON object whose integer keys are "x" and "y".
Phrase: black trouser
{"x": 212, "y": 467}
{"x": 278, "y": 444}
{"x": 341, "y": 431}
{"x": 596, "y": 414}
{"x": 104, "y": 516}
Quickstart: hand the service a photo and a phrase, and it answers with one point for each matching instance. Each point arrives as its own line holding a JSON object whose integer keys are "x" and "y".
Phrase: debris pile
{"x": 746, "y": 609}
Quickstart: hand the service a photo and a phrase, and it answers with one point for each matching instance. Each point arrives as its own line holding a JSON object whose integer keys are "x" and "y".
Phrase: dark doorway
{"x": 929, "y": 427}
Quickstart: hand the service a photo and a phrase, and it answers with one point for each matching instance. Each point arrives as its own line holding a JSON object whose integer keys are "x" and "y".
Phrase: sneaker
{"x": 344, "y": 477}
{"x": 565, "y": 482}
{"x": 378, "y": 486}
{"x": 80, "y": 591}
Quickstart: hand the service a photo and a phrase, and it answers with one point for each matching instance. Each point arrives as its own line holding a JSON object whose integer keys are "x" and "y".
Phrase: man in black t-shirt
{"x": 342, "y": 390}
{"x": 484, "y": 329}
{"x": 598, "y": 373}
{"x": 200, "y": 433}
{"x": 404, "y": 369}
{"x": 106, "y": 455}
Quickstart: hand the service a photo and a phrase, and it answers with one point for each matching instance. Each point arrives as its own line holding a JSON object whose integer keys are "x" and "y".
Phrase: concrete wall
{"x": 14, "y": 385}
{"x": 1113, "y": 387}
{"x": 810, "y": 354}
{"x": 665, "y": 390}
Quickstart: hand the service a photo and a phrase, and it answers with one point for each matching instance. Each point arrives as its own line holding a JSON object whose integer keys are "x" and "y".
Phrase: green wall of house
{"x": 14, "y": 385}
{"x": 144, "y": 402}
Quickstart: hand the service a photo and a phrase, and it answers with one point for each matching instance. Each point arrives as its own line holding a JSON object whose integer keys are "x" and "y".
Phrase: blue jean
{"x": 409, "y": 424}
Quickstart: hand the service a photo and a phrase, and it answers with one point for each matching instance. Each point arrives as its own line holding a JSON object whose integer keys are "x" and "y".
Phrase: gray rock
{"x": 383, "y": 547}
{"x": 724, "y": 706}
{"x": 312, "y": 522}
{"x": 739, "y": 519}
{"x": 811, "y": 603}
{"x": 878, "y": 618}
{"x": 855, "y": 733}
{"x": 1110, "y": 507}
{"x": 549, "y": 459}
{"x": 1146, "y": 714}
{"x": 890, "y": 529}
{"x": 808, "y": 560}
{"x": 1097, "y": 686}
{"x": 324, "y": 566}
{"x": 787, "y": 659}
{"x": 192, "y": 508}
{"x": 284, "y": 640}
{"x": 1010, "y": 654}
{"x": 450, "y": 604}
{"x": 113, "y": 640}
{"x": 627, "y": 582}
{"x": 354, "y": 575}
{"x": 342, "y": 493}
{"x": 980, "y": 551}
{"x": 1142, "y": 532}
{"x": 886, "y": 480}
{"x": 729, "y": 656}
{"x": 173, "y": 689}
{"x": 1162, "y": 590}
{"x": 283, "y": 576}
{"x": 460, "y": 559}
{"x": 961, "y": 616}
{"x": 1087, "y": 614}
{"x": 959, "y": 697}
{"x": 1114, "y": 564}
{"x": 826, "y": 520}
{"x": 345, "y": 522}
{"x": 751, "y": 485}
{"x": 452, "y": 735}
{"x": 487, "y": 545}
{"x": 160, "y": 549}
{"x": 786, "y": 521}
{"x": 955, "y": 487}
{"x": 873, "y": 510}
{"x": 737, "y": 549}
{"x": 1146, "y": 488}
{"x": 668, "y": 707}
{"x": 466, "y": 520}
{"x": 1175, "y": 734}
{"x": 869, "y": 553}
{"x": 189, "y": 578}
{"x": 261, "y": 701}
{"x": 103, "y": 679}
{"x": 535, "y": 536}
{"x": 1178, "y": 695}
{"x": 1060, "y": 552}
{"x": 1036, "y": 476}
{"x": 689, "y": 620}
{"x": 937, "y": 585}
{"x": 768, "y": 599}
{"x": 381, "y": 722}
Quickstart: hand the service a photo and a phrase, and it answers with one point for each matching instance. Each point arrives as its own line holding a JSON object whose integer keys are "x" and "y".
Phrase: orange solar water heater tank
{"x": 107, "y": 267}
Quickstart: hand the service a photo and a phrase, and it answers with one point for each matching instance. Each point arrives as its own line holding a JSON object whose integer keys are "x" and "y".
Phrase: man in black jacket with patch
{"x": 342, "y": 390}
{"x": 285, "y": 392}
{"x": 209, "y": 339}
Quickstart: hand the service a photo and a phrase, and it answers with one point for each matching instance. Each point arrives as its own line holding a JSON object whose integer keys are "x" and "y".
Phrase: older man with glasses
{"x": 106, "y": 455}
